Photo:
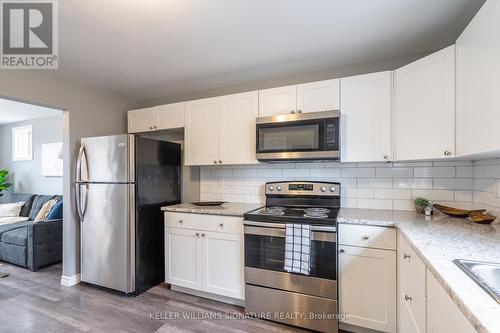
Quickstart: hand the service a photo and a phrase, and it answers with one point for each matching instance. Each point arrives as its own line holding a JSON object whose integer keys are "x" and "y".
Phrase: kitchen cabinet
{"x": 411, "y": 290}
{"x": 277, "y": 101}
{"x": 202, "y": 132}
{"x": 367, "y": 287}
{"x": 478, "y": 79}
{"x": 443, "y": 316}
{"x": 307, "y": 97}
{"x": 205, "y": 253}
{"x": 183, "y": 255}
{"x": 161, "y": 117}
{"x": 142, "y": 120}
{"x": 366, "y": 117}
{"x": 425, "y": 107}
{"x": 221, "y": 130}
{"x": 318, "y": 96}
{"x": 367, "y": 276}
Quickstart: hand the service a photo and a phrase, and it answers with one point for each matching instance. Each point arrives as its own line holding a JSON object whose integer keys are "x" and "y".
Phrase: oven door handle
{"x": 331, "y": 229}
{"x": 329, "y": 237}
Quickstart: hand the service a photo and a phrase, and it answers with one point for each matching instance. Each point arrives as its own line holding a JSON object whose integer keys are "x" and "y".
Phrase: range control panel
{"x": 303, "y": 188}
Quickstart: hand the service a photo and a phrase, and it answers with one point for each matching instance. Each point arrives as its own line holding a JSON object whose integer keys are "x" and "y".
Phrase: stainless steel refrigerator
{"x": 122, "y": 182}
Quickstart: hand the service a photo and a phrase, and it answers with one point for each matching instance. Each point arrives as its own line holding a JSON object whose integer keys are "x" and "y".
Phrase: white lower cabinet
{"x": 202, "y": 259}
{"x": 367, "y": 282}
{"x": 443, "y": 316}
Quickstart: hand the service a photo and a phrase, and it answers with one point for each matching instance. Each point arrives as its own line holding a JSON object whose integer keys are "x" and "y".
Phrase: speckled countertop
{"x": 437, "y": 240}
{"x": 229, "y": 208}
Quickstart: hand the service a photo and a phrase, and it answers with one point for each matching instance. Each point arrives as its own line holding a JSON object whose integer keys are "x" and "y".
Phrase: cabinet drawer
{"x": 367, "y": 236}
{"x": 411, "y": 285}
{"x": 228, "y": 224}
{"x": 183, "y": 220}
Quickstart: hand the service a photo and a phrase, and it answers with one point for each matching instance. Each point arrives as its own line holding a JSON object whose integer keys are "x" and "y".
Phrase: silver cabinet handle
{"x": 407, "y": 298}
{"x": 155, "y": 127}
{"x": 341, "y": 251}
{"x": 386, "y": 157}
{"x": 406, "y": 256}
{"x": 220, "y": 161}
{"x": 221, "y": 225}
{"x": 292, "y": 112}
{"x": 299, "y": 111}
{"x": 202, "y": 235}
{"x": 150, "y": 127}
{"x": 197, "y": 235}
{"x": 215, "y": 162}
{"x": 181, "y": 221}
{"x": 365, "y": 237}
{"x": 447, "y": 153}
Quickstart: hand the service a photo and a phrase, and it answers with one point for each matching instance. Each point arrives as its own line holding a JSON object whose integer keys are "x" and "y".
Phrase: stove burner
{"x": 274, "y": 211}
{"x": 316, "y": 216}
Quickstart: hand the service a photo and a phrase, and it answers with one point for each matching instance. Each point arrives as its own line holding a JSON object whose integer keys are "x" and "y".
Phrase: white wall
{"x": 90, "y": 112}
{"x": 26, "y": 176}
{"x": 363, "y": 185}
{"x": 486, "y": 183}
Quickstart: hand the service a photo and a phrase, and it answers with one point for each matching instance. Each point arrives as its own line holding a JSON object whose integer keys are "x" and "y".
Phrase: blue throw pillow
{"x": 56, "y": 213}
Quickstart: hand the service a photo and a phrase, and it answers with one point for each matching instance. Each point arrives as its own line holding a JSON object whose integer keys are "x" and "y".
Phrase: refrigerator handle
{"x": 81, "y": 208}
{"x": 81, "y": 163}
{"x": 78, "y": 201}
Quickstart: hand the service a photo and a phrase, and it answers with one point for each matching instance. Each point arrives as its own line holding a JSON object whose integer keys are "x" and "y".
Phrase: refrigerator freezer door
{"x": 107, "y": 237}
{"x": 106, "y": 159}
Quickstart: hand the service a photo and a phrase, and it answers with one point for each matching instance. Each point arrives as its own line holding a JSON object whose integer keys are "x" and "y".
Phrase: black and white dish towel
{"x": 298, "y": 248}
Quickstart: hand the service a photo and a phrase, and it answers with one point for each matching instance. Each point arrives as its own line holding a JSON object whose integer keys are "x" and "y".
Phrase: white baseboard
{"x": 223, "y": 299}
{"x": 69, "y": 281}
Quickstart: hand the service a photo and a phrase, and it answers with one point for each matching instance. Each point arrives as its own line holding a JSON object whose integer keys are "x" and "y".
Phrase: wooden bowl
{"x": 482, "y": 218}
{"x": 455, "y": 212}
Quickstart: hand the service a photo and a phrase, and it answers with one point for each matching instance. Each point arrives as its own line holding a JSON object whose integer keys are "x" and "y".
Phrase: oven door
{"x": 265, "y": 260}
{"x": 303, "y": 136}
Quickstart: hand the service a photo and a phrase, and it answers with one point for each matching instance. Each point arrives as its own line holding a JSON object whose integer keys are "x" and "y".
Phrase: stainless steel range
{"x": 291, "y": 255}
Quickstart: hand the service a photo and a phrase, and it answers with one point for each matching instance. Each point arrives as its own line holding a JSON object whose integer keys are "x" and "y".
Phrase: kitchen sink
{"x": 485, "y": 274}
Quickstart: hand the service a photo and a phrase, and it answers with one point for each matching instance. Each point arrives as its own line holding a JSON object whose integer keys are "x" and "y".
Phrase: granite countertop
{"x": 228, "y": 208}
{"x": 438, "y": 240}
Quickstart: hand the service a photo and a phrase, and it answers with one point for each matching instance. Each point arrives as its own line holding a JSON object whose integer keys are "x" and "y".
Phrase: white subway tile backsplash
{"x": 394, "y": 172}
{"x": 399, "y": 194}
{"x": 453, "y": 183}
{"x": 435, "y": 172}
{"x": 364, "y": 185}
{"x": 413, "y": 183}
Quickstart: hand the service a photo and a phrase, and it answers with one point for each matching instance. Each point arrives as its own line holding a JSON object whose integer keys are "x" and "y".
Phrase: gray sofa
{"x": 28, "y": 244}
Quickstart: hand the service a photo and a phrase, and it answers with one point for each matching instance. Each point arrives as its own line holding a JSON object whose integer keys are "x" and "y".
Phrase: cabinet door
{"x": 443, "y": 316}
{"x": 478, "y": 79}
{"x": 318, "y": 96}
{"x": 276, "y": 101}
{"x": 367, "y": 287}
{"x": 142, "y": 120}
{"x": 366, "y": 117}
{"x": 202, "y": 132}
{"x": 183, "y": 258}
{"x": 411, "y": 289}
{"x": 223, "y": 264}
{"x": 171, "y": 116}
{"x": 237, "y": 128}
{"x": 425, "y": 107}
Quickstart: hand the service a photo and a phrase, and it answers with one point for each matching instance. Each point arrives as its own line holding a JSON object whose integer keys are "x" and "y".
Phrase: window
{"x": 22, "y": 143}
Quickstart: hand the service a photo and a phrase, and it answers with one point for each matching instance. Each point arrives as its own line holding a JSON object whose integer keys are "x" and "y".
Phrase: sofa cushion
{"x": 28, "y": 202}
{"x": 17, "y": 236}
{"x": 57, "y": 211}
{"x": 38, "y": 202}
{"x": 8, "y": 227}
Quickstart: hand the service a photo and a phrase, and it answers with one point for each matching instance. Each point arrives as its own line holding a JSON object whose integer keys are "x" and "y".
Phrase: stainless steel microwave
{"x": 301, "y": 136}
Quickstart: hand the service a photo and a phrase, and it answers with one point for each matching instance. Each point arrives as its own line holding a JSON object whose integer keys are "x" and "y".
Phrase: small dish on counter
{"x": 482, "y": 218}
{"x": 456, "y": 212}
{"x": 208, "y": 203}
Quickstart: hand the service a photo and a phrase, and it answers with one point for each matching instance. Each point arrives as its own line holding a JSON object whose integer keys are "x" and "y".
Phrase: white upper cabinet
{"x": 478, "y": 79}
{"x": 170, "y": 116}
{"x": 237, "y": 128}
{"x": 318, "y": 96}
{"x": 366, "y": 117}
{"x": 202, "y": 132}
{"x": 156, "y": 118}
{"x": 142, "y": 120}
{"x": 425, "y": 107}
{"x": 277, "y": 101}
{"x": 221, "y": 130}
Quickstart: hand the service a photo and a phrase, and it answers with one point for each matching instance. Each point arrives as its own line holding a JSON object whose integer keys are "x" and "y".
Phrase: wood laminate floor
{"x": 36, "y": 302}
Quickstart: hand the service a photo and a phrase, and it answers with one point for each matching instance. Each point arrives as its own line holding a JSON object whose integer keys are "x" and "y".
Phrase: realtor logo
{"x": 29, "y": 34}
